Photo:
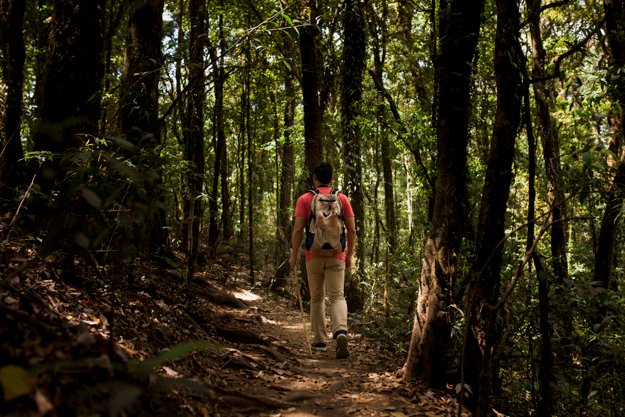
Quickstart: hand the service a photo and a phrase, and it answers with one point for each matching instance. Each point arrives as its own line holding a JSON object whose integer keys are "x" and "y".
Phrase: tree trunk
{"x": 194, "y": 130}
{"x": 138, "y": 119}
{"x": 484, "y": 291}
{"x": 353, "y": 65}
{"x": 312, "y": 67}
{"x": 551, "y": 154}
{"x": 427, "y": 355}
{"x": 287, "y": 172}
{"x": 221, "y": 163}
{"x": 70, "y": 96}
{"x": 377, "y": 26}
{"x": 379, "y": 54}
{"x": 606, "y": 244}
{"x": 12, "y": 173}
{"x": 249, "y": 164}
{"x": 615, "y": 26}
{"x": 545, "y": 368}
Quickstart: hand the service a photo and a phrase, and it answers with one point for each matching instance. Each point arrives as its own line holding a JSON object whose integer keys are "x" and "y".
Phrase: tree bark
{"x": 484, "y": 332}
{"x": 427, "y": 355}
{"x": 551, "y": 154}
{"x": 545, "y": 367}
{"x": 12, "y": 173}
{"x": 353, "y": 65}
{"x": 194, "y": 129}
{"x": 221, "y": 163}
{"x": 138, "y": 119}
{"x": 70, "y": 100}
{"x": 607, "y": 241}
{"x": 287, "y": 172}
{"x": 312, "y": 67}
{"x": 615, "y": 26}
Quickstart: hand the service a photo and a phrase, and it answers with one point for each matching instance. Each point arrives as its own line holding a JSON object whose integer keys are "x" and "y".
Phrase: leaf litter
{"x": 217, "y": 348}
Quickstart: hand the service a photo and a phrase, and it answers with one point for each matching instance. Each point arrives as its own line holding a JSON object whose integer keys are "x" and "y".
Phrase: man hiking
{"x": 328, "y": 218}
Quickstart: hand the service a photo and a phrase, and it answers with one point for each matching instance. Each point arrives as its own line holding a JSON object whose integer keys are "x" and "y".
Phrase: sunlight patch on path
{"x": 245, "y": 295}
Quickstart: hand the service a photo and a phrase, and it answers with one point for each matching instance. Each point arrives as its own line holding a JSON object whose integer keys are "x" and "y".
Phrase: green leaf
{"x": 15, "y": 382}
{"x": 173, "y": 353}
{"x": 288, "y": 19}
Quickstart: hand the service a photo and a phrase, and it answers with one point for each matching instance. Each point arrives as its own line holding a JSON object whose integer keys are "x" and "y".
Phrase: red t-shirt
{"x": 302, "y": 209}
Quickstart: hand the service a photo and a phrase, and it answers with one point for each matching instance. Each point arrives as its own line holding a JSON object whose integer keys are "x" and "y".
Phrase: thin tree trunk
{"x": 250, "y": 166}
{"x": 545, "y": 367}
{"x": 12, "y": 173}
{"x": 353, "y": 65}
{"x": 241, "y": 165}
{"x": 427, "y": 356}
{"x": 551, "y": 153}
{"x": 615, "y": 25}
{"x": 115, "y": 12}
{"x": 287, "y": 172}
{"x": 607, "y": 241}
{"x": 379, "y": 54}
{"x": 194, "y": 138}
{"x": 219, "y": 170}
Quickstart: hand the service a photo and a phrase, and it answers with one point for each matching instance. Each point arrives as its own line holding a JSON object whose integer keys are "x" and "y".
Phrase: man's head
{"x": 323, "y": 173}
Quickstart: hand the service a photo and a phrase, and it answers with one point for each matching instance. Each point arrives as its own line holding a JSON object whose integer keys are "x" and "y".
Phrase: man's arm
{"x": 296, "y": 239}
{"x": 350, "y": 226}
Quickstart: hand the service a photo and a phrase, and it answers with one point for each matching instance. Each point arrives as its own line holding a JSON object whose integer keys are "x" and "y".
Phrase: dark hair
{"x": 323, "y": 171}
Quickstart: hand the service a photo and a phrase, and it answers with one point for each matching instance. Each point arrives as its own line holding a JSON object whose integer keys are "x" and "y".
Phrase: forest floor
{"x": 220, "y": 348}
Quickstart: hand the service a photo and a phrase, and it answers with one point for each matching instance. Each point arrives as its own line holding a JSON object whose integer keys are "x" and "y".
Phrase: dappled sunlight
{"x": 245, "y": 295}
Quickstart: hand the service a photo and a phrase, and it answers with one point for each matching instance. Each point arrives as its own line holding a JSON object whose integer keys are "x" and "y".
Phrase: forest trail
{"x": 257, "y": 362}
{"x": 318, "y": 384}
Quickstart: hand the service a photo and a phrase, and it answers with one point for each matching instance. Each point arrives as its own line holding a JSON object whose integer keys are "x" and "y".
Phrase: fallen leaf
{"x": 15, "y": 382}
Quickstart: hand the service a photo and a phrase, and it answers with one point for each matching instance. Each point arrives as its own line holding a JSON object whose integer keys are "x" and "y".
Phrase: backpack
{"x": 325, "y": 230}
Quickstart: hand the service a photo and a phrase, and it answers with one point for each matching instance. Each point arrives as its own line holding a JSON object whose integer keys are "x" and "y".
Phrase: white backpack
{"x": 325, "y": 231}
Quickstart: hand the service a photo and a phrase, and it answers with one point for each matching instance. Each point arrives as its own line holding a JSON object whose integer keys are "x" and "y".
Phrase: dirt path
{"x": 318, "y": 384}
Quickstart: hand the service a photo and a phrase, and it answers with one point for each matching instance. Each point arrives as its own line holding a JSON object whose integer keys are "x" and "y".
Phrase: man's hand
{"x": 348, "y": 262}
{"x": 296, "y": 239}
{"x": 293, "y": 259}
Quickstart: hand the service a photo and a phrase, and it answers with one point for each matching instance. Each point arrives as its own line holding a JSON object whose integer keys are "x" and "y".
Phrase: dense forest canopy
{"x": 481, "y": 144}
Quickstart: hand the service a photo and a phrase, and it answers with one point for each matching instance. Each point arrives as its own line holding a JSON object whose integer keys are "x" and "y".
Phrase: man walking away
{"x": 328, "y": 218}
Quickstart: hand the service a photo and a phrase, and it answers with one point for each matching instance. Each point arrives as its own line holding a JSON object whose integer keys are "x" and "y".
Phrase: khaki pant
{"x": 326, "y": 275}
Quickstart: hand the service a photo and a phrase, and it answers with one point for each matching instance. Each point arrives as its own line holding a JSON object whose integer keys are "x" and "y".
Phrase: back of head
{"x": 323, "y": 172}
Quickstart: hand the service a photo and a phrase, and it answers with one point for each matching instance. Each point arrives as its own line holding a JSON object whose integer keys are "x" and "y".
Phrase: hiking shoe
{"x": 318, "y": 347}
{"x": 341, "y": 346}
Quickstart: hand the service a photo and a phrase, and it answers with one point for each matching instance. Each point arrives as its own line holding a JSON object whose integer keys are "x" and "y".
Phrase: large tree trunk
{"x": 138, "y": 119}
{"x": 353, "y": 65}
{"x": 13, "y": 51}
{"x": 484, "y": 291}
{"x": 431, "y": 333}
{"x": 71, "y": 92}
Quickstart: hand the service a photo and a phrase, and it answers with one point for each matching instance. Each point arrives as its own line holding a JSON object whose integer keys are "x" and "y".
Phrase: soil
{"x": 213, "y": 346}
